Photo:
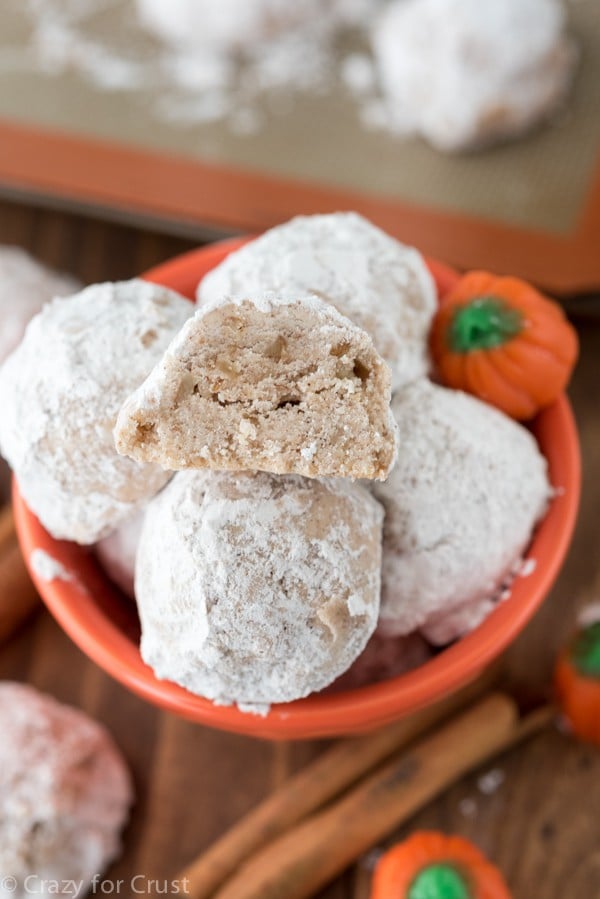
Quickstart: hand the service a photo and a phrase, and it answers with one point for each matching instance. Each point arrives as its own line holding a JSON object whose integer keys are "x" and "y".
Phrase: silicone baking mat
{"x": 88, "y": 115}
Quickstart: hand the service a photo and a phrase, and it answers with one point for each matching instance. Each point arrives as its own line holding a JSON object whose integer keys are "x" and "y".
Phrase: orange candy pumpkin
{"x": 430, "y": 865}
{"x": 577, "y": 683}
{"x": 501, "y": 340}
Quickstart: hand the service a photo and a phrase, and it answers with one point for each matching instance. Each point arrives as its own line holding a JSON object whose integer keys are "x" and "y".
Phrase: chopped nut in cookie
{"x": 270, "y": 384}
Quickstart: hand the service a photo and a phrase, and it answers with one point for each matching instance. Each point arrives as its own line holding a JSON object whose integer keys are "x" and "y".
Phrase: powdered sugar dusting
{"x": 254, "y": 708}
{"x": 527, "y": 567}
{"x": 490, "y": 782}
{"x": 61, "y": 391}
{"x": 378, "y": 283}
{"x": 468, "y": 808}
{"x": 245, "y": 583}
{"x": 468, "y": 488}
{"x": 65, "y": 793}
{"x": 23, "y": 277}
{"x": 196, "y": 62}
{"x": 193, "y": 62}
{"x": 47, "y": 568}
{"x": 464, "y": 72}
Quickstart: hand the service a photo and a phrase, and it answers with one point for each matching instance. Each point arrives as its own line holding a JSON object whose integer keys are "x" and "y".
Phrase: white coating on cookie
{"x": 378, "y": 283}
{"x": 65, "y": 794}
{"x": 466, "y": 72}
{"x": 461, "y": 504}
{"x": 25, "y": 286}
{"x": 61, "y": 391}
{"x": 257, "y": 588}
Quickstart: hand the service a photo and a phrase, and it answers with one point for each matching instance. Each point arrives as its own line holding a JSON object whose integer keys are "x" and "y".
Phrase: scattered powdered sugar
{"x": 490, "y": 782}
{"x": 243, "y": 61}
{"x": 47, "y": 568}
{"x": 261, "y": 709}
{"x": 194, "y": 62}
{"x": 589, "y": 615}
{"x": 527, "y": 567}
{"x": 358, "y": 73}
{"x": 468, "y": 808}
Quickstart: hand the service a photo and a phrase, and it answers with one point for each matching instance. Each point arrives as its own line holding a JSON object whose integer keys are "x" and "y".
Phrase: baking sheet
{"x": 542, "y": 185}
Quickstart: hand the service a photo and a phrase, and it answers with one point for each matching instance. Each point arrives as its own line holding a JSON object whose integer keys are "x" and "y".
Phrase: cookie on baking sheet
{"x": 65, "y": 794}
{"x": 269, "y": 384}
{"x": 466, "y": 73}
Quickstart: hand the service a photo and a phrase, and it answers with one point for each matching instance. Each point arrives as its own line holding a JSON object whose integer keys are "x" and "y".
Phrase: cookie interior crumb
{"x": 270, "y": 385}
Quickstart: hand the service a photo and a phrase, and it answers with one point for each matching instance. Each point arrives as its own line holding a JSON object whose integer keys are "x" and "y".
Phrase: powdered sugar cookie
{"x": 378, "y": 283}
{"x": 65, "y": 794}
{"x": 61, "y": 390}
{"x": 254, "y": 588}
{"x": 25, "y": 286}
{"x": 464, "y": 73}
{"x": 270, "y": 384}
{"x": 461, "y": 503}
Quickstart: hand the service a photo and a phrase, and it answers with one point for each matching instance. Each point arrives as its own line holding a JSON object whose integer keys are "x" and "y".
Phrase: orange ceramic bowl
{"x": 103, "y": 623}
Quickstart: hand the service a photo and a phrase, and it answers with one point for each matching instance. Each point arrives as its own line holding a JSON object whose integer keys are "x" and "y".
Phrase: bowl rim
{"x": 331, "y": 714}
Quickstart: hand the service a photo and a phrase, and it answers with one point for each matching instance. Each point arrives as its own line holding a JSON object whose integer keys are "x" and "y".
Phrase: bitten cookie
{"x": 466, "y": 73}
{"x": 256, "y": 588}
{"x": 461, "y": 504}
{"x": 378, "y": 283}
{"x": 269, "y": 384}
{"x": 65, "y": 794}
{"x": 61, "y": 391}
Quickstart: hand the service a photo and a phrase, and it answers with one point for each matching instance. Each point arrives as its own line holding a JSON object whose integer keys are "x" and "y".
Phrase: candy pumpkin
{"x": 577, "y": 683}
{"x": 501, "y": 340}
{"x": 430, "y": 865}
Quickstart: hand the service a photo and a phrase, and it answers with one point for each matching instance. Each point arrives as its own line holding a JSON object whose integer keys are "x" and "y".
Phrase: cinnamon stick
{"x": 18, "y": 596}
{"x": 298, "y": 864}
{"x": 309, "y": 789}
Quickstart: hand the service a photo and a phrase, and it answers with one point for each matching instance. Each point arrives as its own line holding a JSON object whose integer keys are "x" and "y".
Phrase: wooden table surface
{"x": 541, "y": 824}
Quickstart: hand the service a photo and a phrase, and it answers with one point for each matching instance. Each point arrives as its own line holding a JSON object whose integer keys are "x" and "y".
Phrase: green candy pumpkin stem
{"x": 439, "y": 881}
{"x": 484, "y": 323}
{"x": 585, "y": 651}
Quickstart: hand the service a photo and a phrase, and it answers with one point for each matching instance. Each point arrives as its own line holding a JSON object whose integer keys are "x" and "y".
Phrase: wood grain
{"x": 540, "y": 825}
